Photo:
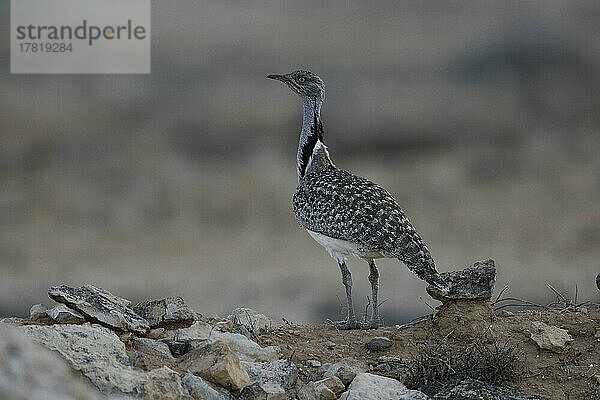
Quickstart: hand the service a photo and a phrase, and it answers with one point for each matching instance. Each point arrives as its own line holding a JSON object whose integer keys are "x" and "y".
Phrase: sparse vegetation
{"x": 485, "y": 359}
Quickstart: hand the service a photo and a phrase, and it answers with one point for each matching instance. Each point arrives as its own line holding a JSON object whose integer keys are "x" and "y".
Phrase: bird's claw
{"x": 372, "y": 324}
{"x": 353, "y": 324}
{"x": 345, "y": 324}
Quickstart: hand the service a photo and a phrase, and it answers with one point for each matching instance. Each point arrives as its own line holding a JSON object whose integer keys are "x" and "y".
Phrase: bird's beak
{"x": 276, "y": 77}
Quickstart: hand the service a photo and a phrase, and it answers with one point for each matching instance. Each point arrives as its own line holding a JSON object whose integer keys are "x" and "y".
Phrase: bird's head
{"x": 303, "y": 83}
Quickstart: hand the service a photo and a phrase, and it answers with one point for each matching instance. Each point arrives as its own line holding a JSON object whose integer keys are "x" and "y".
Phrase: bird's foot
{"x": 374, "y": 323}
{"x": 345, "y": 324}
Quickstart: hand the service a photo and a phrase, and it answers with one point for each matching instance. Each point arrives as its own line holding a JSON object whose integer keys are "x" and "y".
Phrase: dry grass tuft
{"x": 484, "y": 359}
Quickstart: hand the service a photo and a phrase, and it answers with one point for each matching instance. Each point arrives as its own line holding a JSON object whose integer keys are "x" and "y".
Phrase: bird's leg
{"x": 350, "y": 322}
{"x": 374, "y": 279}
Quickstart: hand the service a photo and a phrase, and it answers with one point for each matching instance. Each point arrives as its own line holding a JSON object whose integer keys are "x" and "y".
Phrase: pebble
{"x": 329, "y": 344}
{"x": 314, "y": 363}
{"x": 378, "y": 343}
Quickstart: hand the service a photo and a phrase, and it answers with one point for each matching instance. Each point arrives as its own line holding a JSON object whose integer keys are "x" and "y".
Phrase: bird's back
{"x": 344, "y": 206}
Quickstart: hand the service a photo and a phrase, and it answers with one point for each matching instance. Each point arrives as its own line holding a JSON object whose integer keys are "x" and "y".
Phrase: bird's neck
{"x": 312, "y": 153}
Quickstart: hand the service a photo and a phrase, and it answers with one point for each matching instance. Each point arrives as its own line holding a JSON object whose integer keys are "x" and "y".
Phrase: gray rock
{"x": 31, "y": 372}
{"x": 550, "y": 337}
{"x": 156, "y": 333}
{"x": 162, "y": 383}
{"x": 246, "y": 349}
{"x": 472, "y": 283}
{"x": 252, "y": 320}
{"x": 314, "y": 363}
{"x": 153, "y": 347}
{"x": 367, "y": 386}
{"x": 180, "y": 347}
{"x": 200, "y": 389}
{"x": 263, "y": 391}
{"x": 64, "y": 315}
{"x": 37, "y": 313}
{"x": 345, "y": 369}
{"x": 216, "y": 363}
{"x": 281, "y": 372}
{"x": 99, "y": 354}
{"x": 332, "y": 384}
{"x": 378, "y": 343}
{"x": 310, "y": 391}
{"x": 472, "y": 389}
{"x": 101, "y": 306}
{"x": 170, "y": 311}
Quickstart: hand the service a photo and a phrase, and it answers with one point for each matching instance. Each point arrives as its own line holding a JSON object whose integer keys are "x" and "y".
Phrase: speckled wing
{"x": 347, "y": 207}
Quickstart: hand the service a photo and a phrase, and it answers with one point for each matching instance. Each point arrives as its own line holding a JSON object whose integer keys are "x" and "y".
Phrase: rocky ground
{"x": 93, "y": 345}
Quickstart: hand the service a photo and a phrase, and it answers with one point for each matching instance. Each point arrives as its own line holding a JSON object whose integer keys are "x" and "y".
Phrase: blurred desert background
{"x": 482, "y": 118}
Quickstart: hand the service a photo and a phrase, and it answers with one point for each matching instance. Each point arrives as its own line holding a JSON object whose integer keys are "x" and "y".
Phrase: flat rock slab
{"x": 472, "y": 283}
{"x": 170, "y": 311}
{"x": 101, "y": 306}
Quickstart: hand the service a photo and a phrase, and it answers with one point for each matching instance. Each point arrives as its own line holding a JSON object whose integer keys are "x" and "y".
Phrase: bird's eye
{"x": 302, "y": 79}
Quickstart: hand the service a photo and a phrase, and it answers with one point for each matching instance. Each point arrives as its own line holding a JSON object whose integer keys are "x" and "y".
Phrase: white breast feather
{"x": 341, "y": 249}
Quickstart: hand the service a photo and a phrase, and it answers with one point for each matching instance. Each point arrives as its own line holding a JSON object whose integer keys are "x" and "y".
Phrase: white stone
{"x": 550, "y": 337}
{"x": 252, "y": 320}
{"x": 29, "y": 371}
{"x": 281, "y": 372}
{"x": 367, "y": 386}
{"x": 98, "y": 353}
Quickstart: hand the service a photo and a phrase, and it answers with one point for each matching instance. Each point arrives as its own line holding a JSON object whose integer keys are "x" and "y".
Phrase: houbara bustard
{"x": 347, "y": 214}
